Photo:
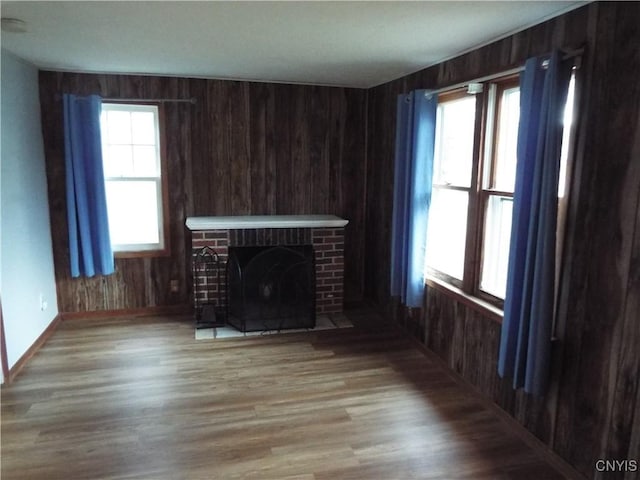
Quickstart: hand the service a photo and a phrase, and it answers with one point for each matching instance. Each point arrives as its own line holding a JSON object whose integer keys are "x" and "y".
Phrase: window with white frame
{"x": 132, "y": 160}
{"x": 469, "y": 226}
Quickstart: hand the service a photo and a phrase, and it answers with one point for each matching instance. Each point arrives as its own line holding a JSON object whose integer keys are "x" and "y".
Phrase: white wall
{"x": 26, "y": 256}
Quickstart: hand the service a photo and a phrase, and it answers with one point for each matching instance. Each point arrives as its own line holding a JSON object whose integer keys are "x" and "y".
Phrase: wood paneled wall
{"x": 592, "y": 410}
{"x": 251, "y": 148}
{"x": 243, "y": 148}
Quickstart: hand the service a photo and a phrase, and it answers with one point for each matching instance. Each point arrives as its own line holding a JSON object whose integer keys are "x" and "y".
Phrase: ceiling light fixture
{"x": 14, "y": 25}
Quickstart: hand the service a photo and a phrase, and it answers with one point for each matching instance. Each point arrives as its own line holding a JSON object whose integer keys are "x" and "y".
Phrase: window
{"x": 496, "y": 196}
{"x": 452, "y": 168}
{"x": 133, "y": 171}
{"x": 473, "y": 182}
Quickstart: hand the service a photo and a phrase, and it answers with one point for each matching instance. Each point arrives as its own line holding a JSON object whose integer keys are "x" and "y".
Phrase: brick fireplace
{"x": 325, "y": 233}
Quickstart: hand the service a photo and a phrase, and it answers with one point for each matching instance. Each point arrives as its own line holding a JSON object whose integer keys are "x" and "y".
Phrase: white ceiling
{"x": 357, "y": 44}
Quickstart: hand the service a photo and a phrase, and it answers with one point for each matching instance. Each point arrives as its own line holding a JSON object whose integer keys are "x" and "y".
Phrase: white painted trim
{"x": 264, "y": 221}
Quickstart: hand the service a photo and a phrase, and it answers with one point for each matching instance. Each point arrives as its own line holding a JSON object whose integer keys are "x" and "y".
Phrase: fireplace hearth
{"x": 271, "y": 288}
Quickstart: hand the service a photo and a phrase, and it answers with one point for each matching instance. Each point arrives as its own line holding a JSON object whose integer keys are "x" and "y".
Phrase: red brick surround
{"x": 328, "y": 246}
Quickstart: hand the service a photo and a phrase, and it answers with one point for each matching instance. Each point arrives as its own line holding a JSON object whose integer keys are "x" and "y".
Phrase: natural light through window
{"x": 498, "y": 194}
{"x": 475, "y": 159}
{"x": 566, "y": 133}
{"x": 497, "y": 238}
{"x": 507, "y": 140}
{"x": 133, "y": 177}
{"x": 453, "y": 157}
{"x": 453, "y": 152}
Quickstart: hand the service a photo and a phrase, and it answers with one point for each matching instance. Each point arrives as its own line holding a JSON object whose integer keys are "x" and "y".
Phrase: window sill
{"x": 475, "y": 303}
{"x": 142, "y": 254}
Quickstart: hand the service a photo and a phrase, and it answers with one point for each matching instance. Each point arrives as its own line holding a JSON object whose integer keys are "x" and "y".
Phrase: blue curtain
{"x": 89, "y": 243}
{"x": 525, "y": 343}
{"x": 415, "y": 137}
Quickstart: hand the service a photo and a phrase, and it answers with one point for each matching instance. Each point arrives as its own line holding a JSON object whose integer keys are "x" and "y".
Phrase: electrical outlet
{"x": 43, "y": 303}
{"x": 174, "y": 286}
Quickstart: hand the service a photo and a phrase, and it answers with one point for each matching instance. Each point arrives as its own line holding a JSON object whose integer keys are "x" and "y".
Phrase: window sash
{"x": 152, "y": 173}
{"x": 484, "y": 187}
{"x": 490, "y": 188}
{"x": 461, "y": 148}
{"x": 487, "y": 114}
{"x": 495, "y": 169}
{"x": 439, "y": 234}
{"x": 495, "y": 246}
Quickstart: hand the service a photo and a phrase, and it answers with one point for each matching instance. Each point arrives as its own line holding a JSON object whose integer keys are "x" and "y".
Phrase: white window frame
{"x": 159, "y": 181}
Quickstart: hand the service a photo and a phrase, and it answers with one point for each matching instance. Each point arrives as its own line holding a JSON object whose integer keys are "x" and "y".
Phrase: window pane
{"x": 118, "y": 161}
{"x": 497, "y": 234}
{"x": 566, "y": 136}
{"x": 143, "y": 128}
{"x": 118, "y": 127}
{"x": 446, "y": 235}
{"x": 133, "y": 212}
{"x": 131, "y": 157}
{"x": 454, "y": 142}
{"x": 507, "y": 140}
{"x": 145, "y": 161}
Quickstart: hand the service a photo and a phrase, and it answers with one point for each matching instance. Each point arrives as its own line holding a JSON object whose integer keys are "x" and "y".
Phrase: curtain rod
{"x": 191, "y": 100}
{"x": 577, "y": 53}
{"x": 486, "y": 78}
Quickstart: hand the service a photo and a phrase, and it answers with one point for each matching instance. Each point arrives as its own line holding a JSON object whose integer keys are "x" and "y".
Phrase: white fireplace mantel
{"x": 264, "y": 221}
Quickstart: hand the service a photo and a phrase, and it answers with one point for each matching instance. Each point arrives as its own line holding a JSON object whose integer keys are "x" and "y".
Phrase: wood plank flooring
{"x": 139, "y": 398}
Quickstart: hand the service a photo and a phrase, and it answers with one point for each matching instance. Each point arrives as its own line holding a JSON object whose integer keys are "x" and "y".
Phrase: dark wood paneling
{"x": 591, "y": 410}
{"x": 243, "y": 148}
{"x": 602, "y": 363}
{"x": 380, "y": 152}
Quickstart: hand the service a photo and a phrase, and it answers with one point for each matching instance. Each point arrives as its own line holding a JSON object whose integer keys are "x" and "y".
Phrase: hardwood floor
{"x": 141, "y": 399}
